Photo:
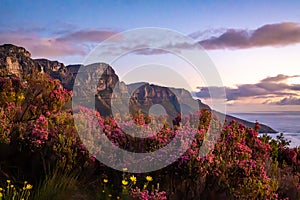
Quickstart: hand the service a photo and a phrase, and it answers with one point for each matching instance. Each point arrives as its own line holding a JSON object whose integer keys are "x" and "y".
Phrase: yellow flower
{"x": 25, "y": 182}
{"x": 12, "y": 186}
{"x": 149, "y": 178}
{"x": 133, "y": 179}
{"x": 125, "y": 169}
{"x": 8, "y": 181}
{"x": 124, "y": 182}
{"x": 105, "y": 180}
{"x": 109, "y": 195}
{"x": 1, "y": 189}
{"x": 28, "y": 187}
{"x": 21, "y": 97}
{"x": 1, "y": 195}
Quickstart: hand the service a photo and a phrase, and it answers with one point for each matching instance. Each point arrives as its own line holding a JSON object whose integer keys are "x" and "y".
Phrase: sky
{"x": 254, "y": 45}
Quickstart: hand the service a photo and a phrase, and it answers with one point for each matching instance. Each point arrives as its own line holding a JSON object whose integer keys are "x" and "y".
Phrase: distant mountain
{"x": 112, "y": 95}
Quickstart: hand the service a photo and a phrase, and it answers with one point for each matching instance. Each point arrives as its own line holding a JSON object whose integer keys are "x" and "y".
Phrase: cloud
{"x": 153, "y": 43}
{"x": 41, "y": 46}
{"x": 71, "y": 43}
{"x": 279, "y": 77}
{"x": 246, "y": 90}
{"x": 206, "y": 33}
{"x": 68, "y": 42}
{"x": 280, "y": 34}
{"x": 165, "y": 48}
{"x": 88, "y": 36}
{"x": 269, "y": 89}
{"x": 288, "y": 101}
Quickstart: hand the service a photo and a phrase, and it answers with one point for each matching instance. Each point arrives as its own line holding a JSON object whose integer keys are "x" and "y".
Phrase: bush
{"x": 38, "y": 133}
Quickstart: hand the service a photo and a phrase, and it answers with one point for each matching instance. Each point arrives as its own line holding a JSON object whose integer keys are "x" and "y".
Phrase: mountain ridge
{"x": 17, "y": 61}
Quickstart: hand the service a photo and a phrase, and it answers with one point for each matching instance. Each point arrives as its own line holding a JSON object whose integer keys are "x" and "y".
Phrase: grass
{"x": 59, "y": 185}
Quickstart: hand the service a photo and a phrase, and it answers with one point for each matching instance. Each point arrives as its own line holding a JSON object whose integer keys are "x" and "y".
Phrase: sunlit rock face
{"x": 16, "y": 60}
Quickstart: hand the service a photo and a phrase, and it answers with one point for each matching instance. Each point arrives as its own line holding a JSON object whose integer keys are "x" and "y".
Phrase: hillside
{"x": 112, "y": 94}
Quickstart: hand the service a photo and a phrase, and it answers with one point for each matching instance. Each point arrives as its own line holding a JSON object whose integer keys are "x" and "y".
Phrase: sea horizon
{"x": 286, "y": 122}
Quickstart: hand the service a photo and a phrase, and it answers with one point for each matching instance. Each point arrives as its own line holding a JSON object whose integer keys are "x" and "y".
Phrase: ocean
{"x": 286, "y": 122}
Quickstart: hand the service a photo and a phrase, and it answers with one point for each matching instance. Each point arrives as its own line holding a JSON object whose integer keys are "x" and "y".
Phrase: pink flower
{"x": 93, "y": 159}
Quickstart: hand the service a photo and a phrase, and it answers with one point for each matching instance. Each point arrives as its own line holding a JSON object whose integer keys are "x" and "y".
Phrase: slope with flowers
{"x": 39, "y": 144}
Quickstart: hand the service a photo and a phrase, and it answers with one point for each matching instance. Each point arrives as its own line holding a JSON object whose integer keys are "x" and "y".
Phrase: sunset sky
{"x": 254, "y": 45}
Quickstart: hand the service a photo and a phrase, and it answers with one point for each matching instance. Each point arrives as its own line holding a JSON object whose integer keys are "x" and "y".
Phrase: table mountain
{"x": 112, "y": 96}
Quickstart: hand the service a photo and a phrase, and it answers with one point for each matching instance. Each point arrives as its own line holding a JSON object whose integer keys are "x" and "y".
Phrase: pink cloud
{"x": 41, "y": 46}
{"x": 269, "y": 87}
{"x": 74, "y": 43}
{"x": 280, "y": 34}
{"x": 89, "y": 35}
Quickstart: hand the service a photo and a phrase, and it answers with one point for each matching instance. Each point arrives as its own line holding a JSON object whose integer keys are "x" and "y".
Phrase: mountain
{"x": 112, "y": 96}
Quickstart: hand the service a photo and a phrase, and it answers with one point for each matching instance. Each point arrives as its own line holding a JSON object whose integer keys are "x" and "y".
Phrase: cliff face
{"x": 16, "y": 60}
{"x": 147, "y": 95}
{"x": 97, "y": 81}
{"x": 112, "y": 95}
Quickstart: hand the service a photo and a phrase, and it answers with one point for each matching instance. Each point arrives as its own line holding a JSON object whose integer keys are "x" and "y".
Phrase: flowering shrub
{"x": 139, "y": 194}
{"x": 37, "y": 132}
{"x": 34, "y": 125}
{"x": 237, "y": 164}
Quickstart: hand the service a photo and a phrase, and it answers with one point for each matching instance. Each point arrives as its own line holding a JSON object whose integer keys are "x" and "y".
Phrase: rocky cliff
{"x": 16, "y": 60}
{"x": 112, "y": 95}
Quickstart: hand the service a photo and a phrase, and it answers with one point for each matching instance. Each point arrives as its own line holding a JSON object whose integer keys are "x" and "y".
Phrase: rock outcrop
{"x": 16, "y": 60}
